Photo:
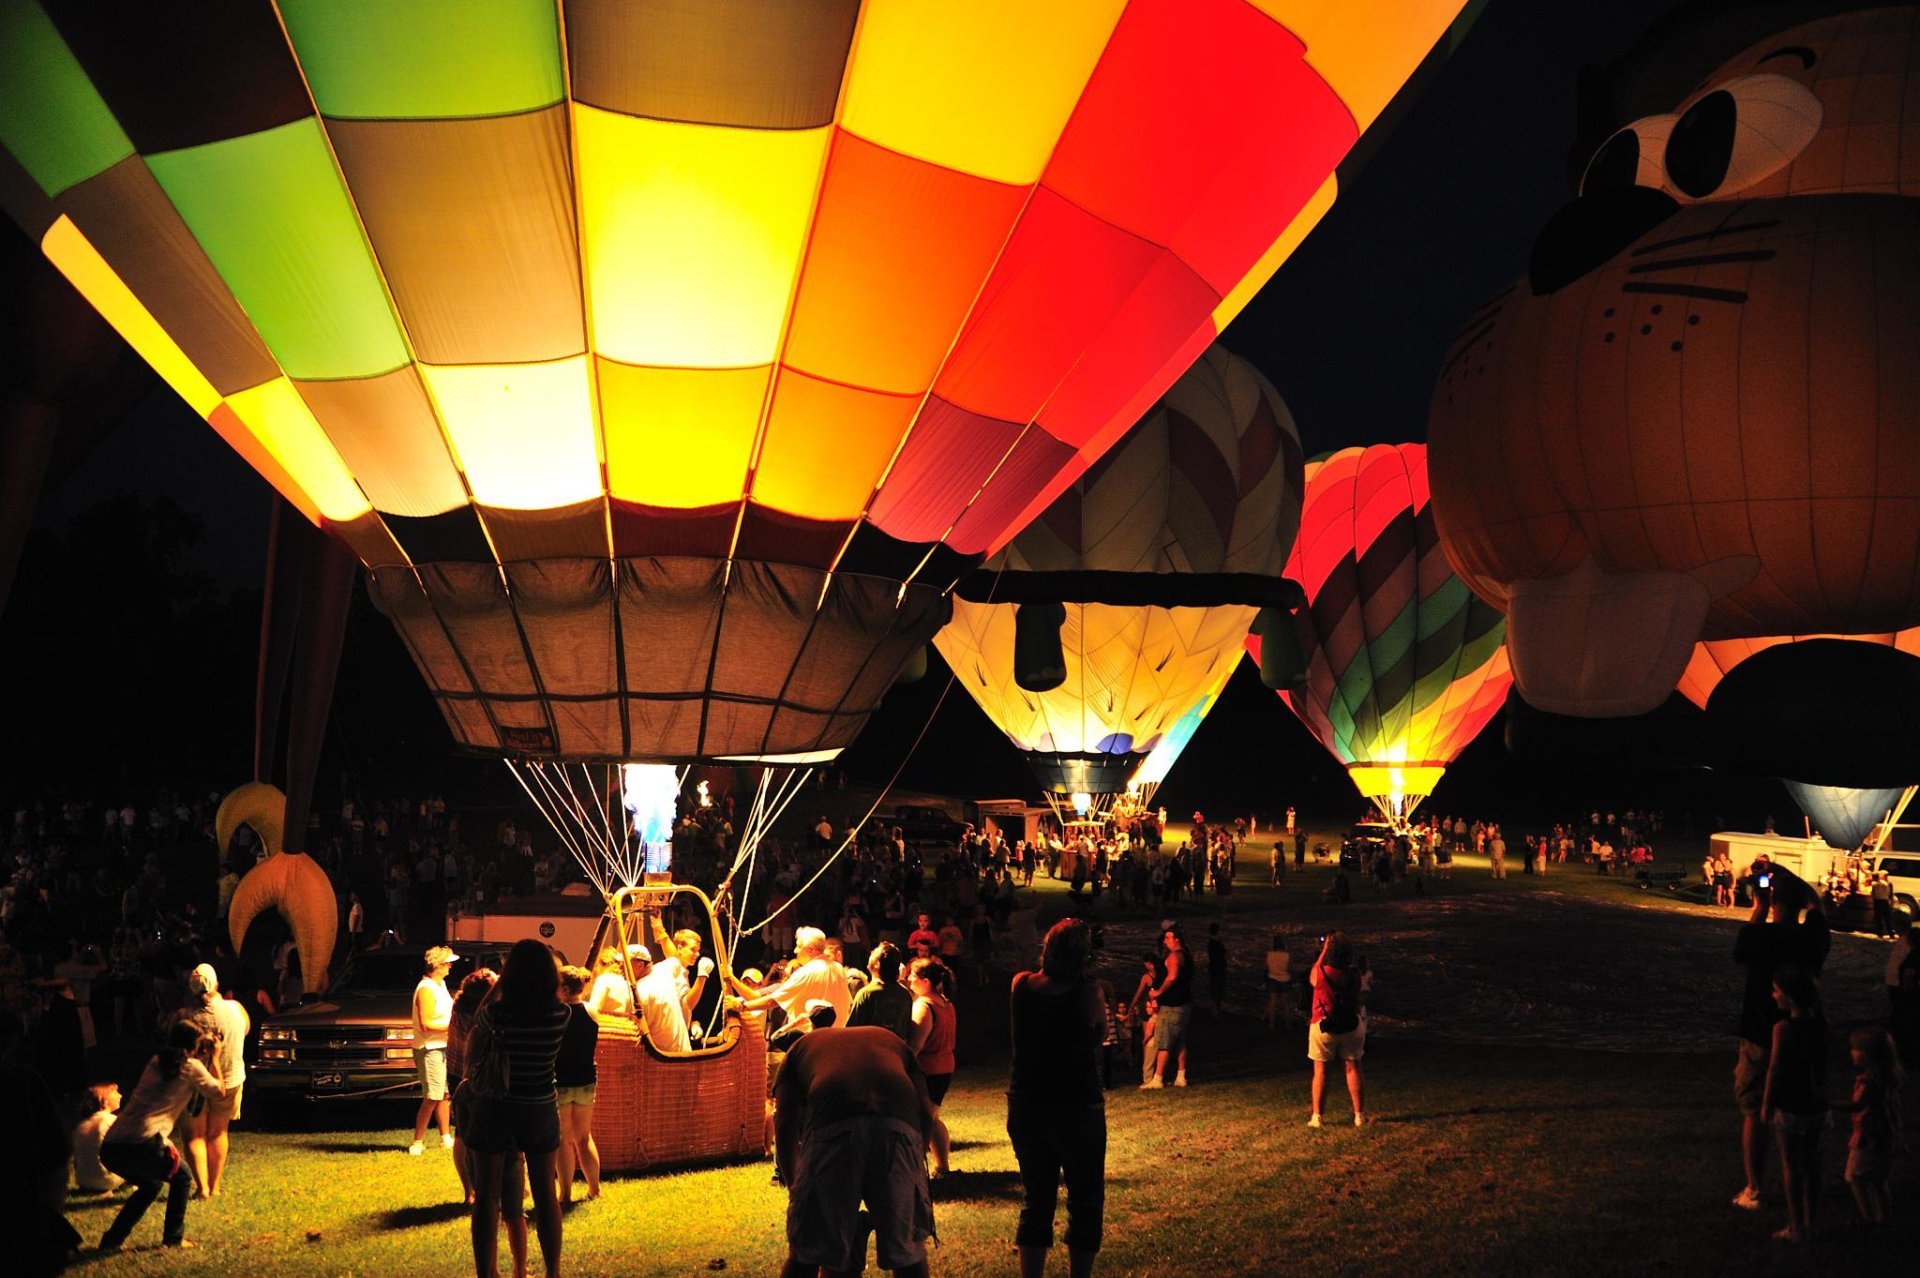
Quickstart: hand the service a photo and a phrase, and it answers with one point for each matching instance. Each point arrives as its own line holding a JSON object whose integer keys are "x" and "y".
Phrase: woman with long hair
{"x": 576, "y": 1081}
{"x": 138, "y": 1148}
{"x": 1056, "y": 1108}
{"x": 934, "y": 1023}
{"x": 524, "y": 1022}
{"x": 1794, "y": 1098}
{"x": 474, "y": 988}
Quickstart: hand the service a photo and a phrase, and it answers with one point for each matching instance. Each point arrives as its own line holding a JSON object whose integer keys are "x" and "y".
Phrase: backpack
{"x": 1343, "y": 1017}
{"x": 488, "y": 1072}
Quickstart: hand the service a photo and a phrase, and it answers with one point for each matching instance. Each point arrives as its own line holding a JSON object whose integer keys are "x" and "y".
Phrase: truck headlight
{"x": 276, "y": 1054}
{"x": 400, "y": 1032}
{"x": 399, "y": 1053}
{"x": 276, "y": 1034}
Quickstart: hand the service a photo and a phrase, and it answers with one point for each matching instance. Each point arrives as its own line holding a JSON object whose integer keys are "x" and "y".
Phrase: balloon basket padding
{"x": 654, "y": 1111}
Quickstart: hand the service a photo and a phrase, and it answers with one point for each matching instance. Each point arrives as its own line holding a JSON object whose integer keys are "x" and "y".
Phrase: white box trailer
{"x": 1811, "y": 859}
{"x": 563, "y": 920}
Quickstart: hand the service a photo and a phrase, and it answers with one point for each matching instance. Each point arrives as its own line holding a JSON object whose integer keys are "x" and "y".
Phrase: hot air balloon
{"x": 1697, "y": 418}
{"x": 1153, "y": 769}
{"x": 1404, "y": 664}
{"x": 1123, "y": 607}
{"x": 665, "y": 364}
{"x": 1828, "y": 714}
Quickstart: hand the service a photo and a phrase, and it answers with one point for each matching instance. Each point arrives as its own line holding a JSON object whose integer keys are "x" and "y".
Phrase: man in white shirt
{"x": 432, "y": 1013}
{"x": 656, "y": 1003}
{"x": 817, "y": 976}
{"x": 681, "y": 961}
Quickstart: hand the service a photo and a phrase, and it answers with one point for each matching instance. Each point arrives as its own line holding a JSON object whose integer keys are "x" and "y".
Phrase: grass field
{"x": 1549, "y": 1067}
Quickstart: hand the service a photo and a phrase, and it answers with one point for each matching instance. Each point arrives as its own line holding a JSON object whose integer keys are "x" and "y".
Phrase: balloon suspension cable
{"x": 1396, "y": 809}
{"x": 777, "y": 789}
{"x": 853, "y": 832}
{"x": 586, "y": 806}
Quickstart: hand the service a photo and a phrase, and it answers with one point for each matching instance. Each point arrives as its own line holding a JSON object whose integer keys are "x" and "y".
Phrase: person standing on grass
{"x": 432, "y": 1013}
{"x": 1771, "y": 939}
{"x": 1279, "y": 983}
{"x": 1216, "y": 969}
{"x": 1299, "y": 849}
{"x": 575, "y": 1081}
{"x": 1174, "y": 996}
{"x": 1056, "y": 1109}
{"x": 1794, "y": 1099}
{"x": 138, "y": 1148}
{"x": 230, "y": 1067}
{"x": 524, "y": 1022}
{"x": 1878, "y": 1134}
{"x": 1335, "y": 1031}
{"x": 1497, "y": 853}
{"x": 932, "y": 1037}
{"x": 474, "y": 989}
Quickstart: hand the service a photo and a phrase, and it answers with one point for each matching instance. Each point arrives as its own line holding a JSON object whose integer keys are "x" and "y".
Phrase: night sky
{"x": 1351, "y": 331}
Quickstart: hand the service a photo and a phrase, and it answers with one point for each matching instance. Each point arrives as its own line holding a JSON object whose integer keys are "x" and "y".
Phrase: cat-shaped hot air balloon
{"x": 1698, "y": 416}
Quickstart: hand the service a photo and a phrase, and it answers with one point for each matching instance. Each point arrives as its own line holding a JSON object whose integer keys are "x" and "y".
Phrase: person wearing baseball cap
{"x": 229, "y": 1066}
{"x": 432, "y": 1014}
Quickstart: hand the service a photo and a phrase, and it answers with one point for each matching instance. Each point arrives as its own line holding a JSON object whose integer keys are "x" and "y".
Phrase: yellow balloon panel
{"x": 486, "y": 409}
{"x": 694, "y": 235}
{"x": 279, "y": 419}
{"x": 680, "y": 437}
{"x": 983, "y": 87}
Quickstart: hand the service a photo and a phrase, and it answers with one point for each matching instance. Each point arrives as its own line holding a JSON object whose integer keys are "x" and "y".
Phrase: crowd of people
{"x": 1780, "y": 1068}
{"x": 872, "y": 936}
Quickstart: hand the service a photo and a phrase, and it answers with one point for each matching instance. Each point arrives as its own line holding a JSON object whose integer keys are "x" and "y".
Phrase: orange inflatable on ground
{"x": 1698, "y": 418}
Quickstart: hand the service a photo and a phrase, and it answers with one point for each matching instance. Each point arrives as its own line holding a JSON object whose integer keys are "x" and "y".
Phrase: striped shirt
{"x": 531, "y": 1044}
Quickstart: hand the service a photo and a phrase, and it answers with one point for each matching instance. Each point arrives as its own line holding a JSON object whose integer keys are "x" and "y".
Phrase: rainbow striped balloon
{"x": 1405, "y": 665}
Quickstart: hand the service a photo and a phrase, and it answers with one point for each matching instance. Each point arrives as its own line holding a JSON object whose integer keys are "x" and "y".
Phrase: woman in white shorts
{"x": 1336, "y": 1031}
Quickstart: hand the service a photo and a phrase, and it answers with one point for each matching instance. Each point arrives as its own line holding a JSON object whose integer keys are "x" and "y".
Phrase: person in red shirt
{"x": 923, "y": 942}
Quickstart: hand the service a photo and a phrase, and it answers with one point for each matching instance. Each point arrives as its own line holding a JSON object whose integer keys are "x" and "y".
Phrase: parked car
{"x": 356, "y": 1041}
{"x": 1374, "y": 835}
{"x": 925, "y": 823}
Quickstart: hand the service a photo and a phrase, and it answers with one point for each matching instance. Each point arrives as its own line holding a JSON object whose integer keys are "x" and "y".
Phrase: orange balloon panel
{"x": 835, "y": 288}
{"x": 1711, "y": 661}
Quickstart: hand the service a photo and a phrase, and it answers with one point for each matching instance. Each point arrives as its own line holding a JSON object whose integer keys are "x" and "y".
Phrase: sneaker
{"x": 1180, "y": 1080}
{"x": 416, "y": 1149}
{"x": 1747, "y": 1200}
{"x": 1314, "y": 1121}
{"x": 1152, "y": 1084}
{"x": 1361, "y": 1120}
{"x": 446, "y": 1141}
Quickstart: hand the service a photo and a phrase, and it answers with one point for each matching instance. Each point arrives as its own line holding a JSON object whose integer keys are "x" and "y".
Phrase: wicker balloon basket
{"x": 657, "y": 1110}
{"x": 663, "y": 1111}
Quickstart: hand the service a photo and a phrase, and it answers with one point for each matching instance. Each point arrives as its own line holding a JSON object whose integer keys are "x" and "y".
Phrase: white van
{"x": 1901, "y": 860}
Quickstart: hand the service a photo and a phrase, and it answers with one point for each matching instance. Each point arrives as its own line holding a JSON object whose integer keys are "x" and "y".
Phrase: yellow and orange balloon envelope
{"x": 667, "y": 362}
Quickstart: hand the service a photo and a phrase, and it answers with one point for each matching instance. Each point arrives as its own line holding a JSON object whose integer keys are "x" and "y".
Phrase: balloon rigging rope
{"x": 853, "y": 833}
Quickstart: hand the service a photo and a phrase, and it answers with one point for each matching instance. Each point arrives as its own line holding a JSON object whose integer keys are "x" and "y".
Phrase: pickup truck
{"x": 356, "y": 1041}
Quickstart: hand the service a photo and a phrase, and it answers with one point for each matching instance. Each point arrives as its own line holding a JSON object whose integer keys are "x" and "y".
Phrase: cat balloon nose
{"x": 1590, "y": 231}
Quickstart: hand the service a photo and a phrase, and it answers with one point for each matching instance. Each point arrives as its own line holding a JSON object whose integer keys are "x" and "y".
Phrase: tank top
{"x": 1800, "y": 1085}
{"x": 1055, "y": 1055}
{"x": 936, "y": 1055}
{"x": 1180, "y": 992}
